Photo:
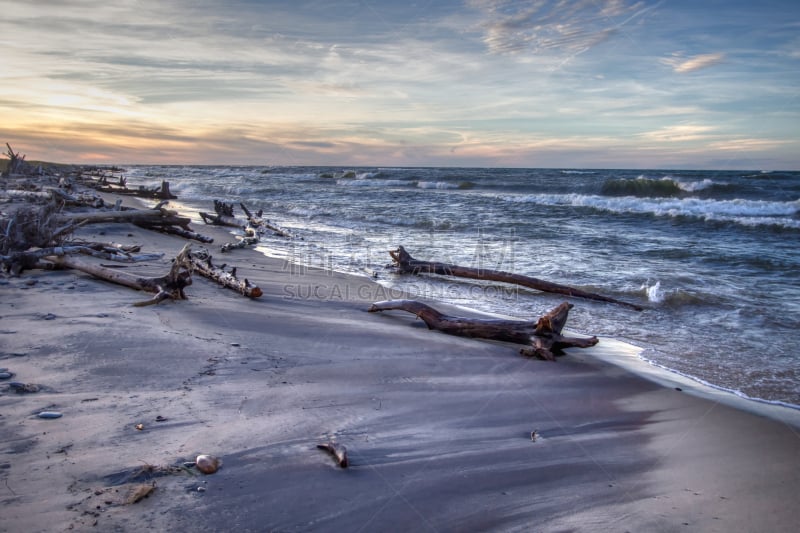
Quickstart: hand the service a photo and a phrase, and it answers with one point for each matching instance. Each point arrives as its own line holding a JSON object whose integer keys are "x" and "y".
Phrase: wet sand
{"x": 437, "y": 428}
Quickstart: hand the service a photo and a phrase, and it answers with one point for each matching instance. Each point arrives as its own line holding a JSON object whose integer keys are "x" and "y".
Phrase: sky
{"x": 665, "y": 84}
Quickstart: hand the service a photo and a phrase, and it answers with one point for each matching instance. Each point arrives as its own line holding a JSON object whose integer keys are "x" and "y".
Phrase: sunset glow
{"x": 609, "y": 83}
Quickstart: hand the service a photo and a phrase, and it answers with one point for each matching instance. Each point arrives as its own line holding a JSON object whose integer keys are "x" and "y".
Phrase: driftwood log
{"x": 250, "y": 239}
{"x": 158, "y": 193}
{"x": 156, "y": 219}
{"x": 543, "y": 338}
{"x": 175, "y": 230}
{"x": 170, "y": 286}
{"x": 148, "y": 216}
{"x": 257, "y": 221}
{"x": 202, "y": 264}
{"x": 223, "y": 216}
{"x": 407, "y": 264}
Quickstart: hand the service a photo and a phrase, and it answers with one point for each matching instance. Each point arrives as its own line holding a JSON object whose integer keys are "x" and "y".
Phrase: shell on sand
{"x": 207, "y": 464}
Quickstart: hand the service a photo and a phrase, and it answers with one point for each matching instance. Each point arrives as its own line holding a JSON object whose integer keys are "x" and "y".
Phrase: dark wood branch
{"x": 223, "y": 220}
{"x": 543, "y": 338}
{"x": 175, "y": 230}
{"x": 151, "y": 216}
{"x": 337, "y": 451}
{"x": 159, "y": 193}
{"x": 407, "y": 264}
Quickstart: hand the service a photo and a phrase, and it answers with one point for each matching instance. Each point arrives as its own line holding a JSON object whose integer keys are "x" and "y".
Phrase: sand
{"x": 437, "y": 428}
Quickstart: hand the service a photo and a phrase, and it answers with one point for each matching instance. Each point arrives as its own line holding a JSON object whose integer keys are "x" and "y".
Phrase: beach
{"x": 443, "y": 433}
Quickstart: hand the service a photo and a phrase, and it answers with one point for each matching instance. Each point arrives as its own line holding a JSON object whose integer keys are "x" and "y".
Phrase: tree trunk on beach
{"x": 161, "y": 193}
{"x": 201, "y": 263}
{"x": 407, "y": 264}
{"x": 223, "y": 216}
{"x": 169, "y": 286}
{"x": 145, "y": 216}
{"x": 543, "y": 337}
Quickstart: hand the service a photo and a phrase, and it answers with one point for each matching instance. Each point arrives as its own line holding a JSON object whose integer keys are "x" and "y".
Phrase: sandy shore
{"x": 438, "y": 428}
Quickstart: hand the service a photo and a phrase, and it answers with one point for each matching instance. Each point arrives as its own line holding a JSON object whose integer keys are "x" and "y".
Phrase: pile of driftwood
{"x": 44, "y": 206}
{"x": 543, "y": 338}
{"x": 253, "y": 226}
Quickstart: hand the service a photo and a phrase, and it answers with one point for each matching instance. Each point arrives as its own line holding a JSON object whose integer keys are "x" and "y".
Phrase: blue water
{"x": 711, "y": 255}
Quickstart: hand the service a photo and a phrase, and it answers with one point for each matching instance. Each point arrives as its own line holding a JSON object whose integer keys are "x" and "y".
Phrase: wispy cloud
{"x": 570, "y": 27}
{"x": 679, "y": 133}
{"x": 684, "y": 65}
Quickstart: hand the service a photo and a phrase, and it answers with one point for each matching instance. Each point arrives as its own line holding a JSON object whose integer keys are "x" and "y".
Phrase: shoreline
{"x": 438, "y": 427}
{"x": 641, "y": 366}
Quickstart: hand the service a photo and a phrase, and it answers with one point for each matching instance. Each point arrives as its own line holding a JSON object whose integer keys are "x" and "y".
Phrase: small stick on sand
{"x": 338, "y": 451}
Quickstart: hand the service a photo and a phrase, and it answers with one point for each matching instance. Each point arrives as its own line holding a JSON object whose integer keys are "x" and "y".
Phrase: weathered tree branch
{"x": 171, "y": 284}
{"x": 201, "y": 263}
{"x": 543, "y": 337}
{"x": 407, "y": 264}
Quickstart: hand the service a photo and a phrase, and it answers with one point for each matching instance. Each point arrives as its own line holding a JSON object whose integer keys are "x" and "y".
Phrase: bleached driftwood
{"x": 202, "y": 264}
{"x": 223, "y": 216}
{"x": 169, "y": 286}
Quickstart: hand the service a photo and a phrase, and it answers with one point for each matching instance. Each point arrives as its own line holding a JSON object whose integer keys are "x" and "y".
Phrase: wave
{"x": 348, "y": 175}
{"x": 737, "y": 211}
{"x": 673, "y": 298}
{"x": 367, "y": 182}
{"x": 643, "y": 186}
{"x": 437, "y": 185}
{"x": 370, "y": 182}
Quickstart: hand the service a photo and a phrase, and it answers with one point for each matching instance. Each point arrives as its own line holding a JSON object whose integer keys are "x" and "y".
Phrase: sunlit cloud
{"x": 679, "y": 133}
{"x": 472, "y": 82}
{"x": 683, "y": 65}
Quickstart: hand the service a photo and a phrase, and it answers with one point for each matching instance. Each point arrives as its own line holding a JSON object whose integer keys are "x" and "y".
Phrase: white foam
{"x": 745, "y": 212}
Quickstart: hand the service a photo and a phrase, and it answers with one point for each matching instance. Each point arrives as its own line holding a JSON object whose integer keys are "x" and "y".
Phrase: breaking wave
{"x": 738, "y": 211}
{"x": 643, "y": 186}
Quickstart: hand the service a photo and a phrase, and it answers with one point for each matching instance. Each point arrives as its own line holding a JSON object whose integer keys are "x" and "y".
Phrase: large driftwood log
{"x": 543, "y": 337}
{"x": 175, "y": 230}
{"x": 16, "y": 262}
{"x": 151, "y": 216}
{"x": 258, "y": 222}
{"x": 223, "y": 216}
{"x": 407, "y": 264}
{"x": 159, "y": 193}
{"x": 222, "y": 220}
{"x": 169, "y": 286}
{"x": 201, "y": 263}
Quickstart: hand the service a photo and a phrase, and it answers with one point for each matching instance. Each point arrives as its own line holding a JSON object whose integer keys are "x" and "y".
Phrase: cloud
{"x": 679, "y": 133}
{"x": 685, "y": 65}
{"x": 571, "y": 27}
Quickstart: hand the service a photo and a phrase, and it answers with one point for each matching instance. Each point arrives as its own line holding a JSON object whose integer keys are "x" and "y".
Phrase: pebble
{"x": 49, "y": 316}
{"x": 207, "y": 464}
{"x": 49, "y": 414}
